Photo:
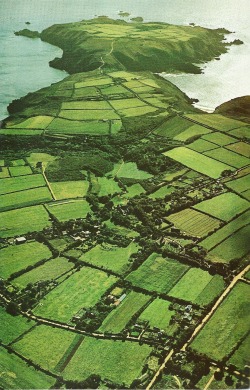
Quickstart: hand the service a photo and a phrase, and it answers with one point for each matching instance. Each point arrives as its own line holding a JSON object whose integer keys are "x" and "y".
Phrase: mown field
{"x": 216, "y": 121}
{"x": 36, "y": 122}
{"x": 190, "y": 132}
{"x": 201, "y": 145}
{"x": 24, "y": 198}
{"x": 108, "y": 187}
{"x": 239, "y": 185}
{"x": 12, "y": 327}
{"x": 66, "y": 126}
{"x": 234, "y": 247}
{"x": 162, "y": 192}
{"x": 230, "y": 158}
{"x": 85, "y": 287}
{"x": 129, "y": 170}
{"x": 159, "y": 315}
{"x": 69, "y": 210}
{"x": 240, "y": 357}
{"x": 24, "y": 132}
{"x": 157, "y": 274}
{"x": 15, "y": 374}
{"x": 70, "y": 189}
{"x": 219, "y": 138}
{"x": 227, "y": 326}
{"x": 108, "y": 359}
{"x": 17, "y": 257}
{"x": 50, "y": 270}
{"x": 110, "y": 257}
{"x": 35, "y": 157}
{"x": 193, "y": 222}
{"x": 225, "y": 206}
{"x": 4, "y": 172}
{"x": 241, "y": 132}
{"x": 86, "y": 115}
{"x": 45, "y": 345}
{"x": 117, "y": 320}
{"x": 12, "y": 222}
{"x": 9, "y": 185}
{"x": 198, "y": 162}
{"x": 240, "y": 147}
{"x": 20, "y": 171}
{"x": 173, "y": 127}
{"x": 198, "y": 286}
{"x": 226, "y": 231}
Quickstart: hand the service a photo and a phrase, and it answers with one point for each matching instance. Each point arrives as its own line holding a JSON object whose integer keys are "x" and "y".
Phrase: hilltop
{"x": 236, "y": 108}
{"x": 117, "y": 44}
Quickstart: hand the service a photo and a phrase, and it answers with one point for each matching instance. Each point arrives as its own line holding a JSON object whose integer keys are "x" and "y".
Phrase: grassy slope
{"x": 168, "y": 47}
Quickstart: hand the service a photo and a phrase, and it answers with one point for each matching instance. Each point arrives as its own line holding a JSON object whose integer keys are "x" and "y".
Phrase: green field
{"x": 227, "y": 326}
{"x": 216, "y": 121}
{"x": 110, "y": 257}
{"x": 241, "y": 132}
{"x": 226, "y": 231}
{"x": 172, "y": 127}
{"x": 82, "y": 289}
{"x": 94, "y": 82}
{"x": 69, "y": 210}
{"x": 230, "y": 158}
{"x": 4, "y": 173}
{"x": 20, "y": 171}
{"x": 198, "y": 162}
{"x": 65, "y": 126}
{"x": 241, "y": 148}
{"x": 12, "y": 222}
{"x": 162, "y": 192}
{"x": 124, "y": 75}
{"x": 108, "y": 187}
{"x": 18, "y": 132}
{"x": 24, "y": 198}
{"x": 192, "y": 131}
{"x": 17, "y": 257}
{"x": 135, "y": 189}
{"x": 86, "y": 92}
{"x": 136, "y": 111}
{"x": 157, "y": 274}
{"x": 130, "y": 170}
{"x": 45, "y": 158}
{"x": 12, "y": 327}
{"x": 116, "y": 126}
{"x": 85, "y": 115}
{"x": 36, "y": 122}
{"x": 198, "y": 286}
{"x": 115, "y": 90}
{"x": 193, "y": 222}
{"x": 50, "y": 270}
{"x": 159, "y": 315}
{"x": 201, "y": 145}
{"x": 122, "y": 104}
{"x": 240, "y": 357}
{"x": 108, "y": 359}
{"x": 225, "y": 206}
{"x": 219, "y": 138}
{"x": 239, "y": 185}
{"x": 86, "y": 105}
{"x": 45, "y": 345}
{"x": 234, "y": 247}
{"x": 117, "y": 320}
{"x": 21, "y": 183}
{"x": 70, "y": 189}
{"x": 15, "y": 374}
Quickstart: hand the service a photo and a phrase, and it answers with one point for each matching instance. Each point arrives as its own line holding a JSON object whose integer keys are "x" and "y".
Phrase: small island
{"x": 28, "y": 33}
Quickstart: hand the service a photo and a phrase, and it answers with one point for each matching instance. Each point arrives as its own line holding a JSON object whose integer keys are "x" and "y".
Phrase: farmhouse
{"x": 20, "y": 240}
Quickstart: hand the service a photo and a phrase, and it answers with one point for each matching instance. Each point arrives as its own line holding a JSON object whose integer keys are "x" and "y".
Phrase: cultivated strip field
{"x": 227, "y": 326}
{"x": 194, "y": 222}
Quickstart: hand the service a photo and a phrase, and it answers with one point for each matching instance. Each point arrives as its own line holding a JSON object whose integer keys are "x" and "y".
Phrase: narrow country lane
{"x": 202, "y": 324}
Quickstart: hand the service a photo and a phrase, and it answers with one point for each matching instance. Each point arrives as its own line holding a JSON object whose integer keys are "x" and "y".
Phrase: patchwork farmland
{"x": 124, "y": 231}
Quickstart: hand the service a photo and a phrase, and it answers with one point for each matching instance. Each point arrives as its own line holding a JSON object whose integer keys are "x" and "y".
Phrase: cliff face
{"x": 236, "y": 108}
{"x": 116, "y": 44}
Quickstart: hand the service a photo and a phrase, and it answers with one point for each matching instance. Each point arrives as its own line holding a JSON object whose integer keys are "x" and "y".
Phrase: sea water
{"x": 24, "y": 62}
